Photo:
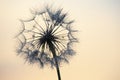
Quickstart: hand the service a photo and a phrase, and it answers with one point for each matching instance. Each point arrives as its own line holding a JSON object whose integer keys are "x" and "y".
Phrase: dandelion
{"x": 47, "y": 38}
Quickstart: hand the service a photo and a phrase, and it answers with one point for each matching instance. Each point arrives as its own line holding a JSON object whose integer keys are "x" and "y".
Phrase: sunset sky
{"x": 97, "y": 53}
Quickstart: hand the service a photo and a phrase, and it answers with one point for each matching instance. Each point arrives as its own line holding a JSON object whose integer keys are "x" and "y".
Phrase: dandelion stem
{"x": 52, "y": 48}
{"x": 57, "y": 68}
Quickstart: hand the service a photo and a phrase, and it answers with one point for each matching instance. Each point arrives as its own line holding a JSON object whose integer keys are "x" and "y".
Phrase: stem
{"x": 52, "y": 48}
{"x": 57, "y": 68}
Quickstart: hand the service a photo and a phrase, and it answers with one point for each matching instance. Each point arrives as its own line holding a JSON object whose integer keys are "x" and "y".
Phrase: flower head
{"x": 46, "y": 36}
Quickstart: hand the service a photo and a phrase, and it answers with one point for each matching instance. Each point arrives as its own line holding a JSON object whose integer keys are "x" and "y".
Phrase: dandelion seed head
{"x": 48, "y": 35}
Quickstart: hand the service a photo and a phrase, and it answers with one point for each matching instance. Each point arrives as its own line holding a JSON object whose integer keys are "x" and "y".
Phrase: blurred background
{"x": 98, "y": 50}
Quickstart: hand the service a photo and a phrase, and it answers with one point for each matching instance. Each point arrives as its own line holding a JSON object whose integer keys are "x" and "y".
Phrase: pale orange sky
{"x": 98, "y": 50}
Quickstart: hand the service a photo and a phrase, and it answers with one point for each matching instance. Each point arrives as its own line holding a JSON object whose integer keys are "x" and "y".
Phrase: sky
{"x": 97, "y": 53}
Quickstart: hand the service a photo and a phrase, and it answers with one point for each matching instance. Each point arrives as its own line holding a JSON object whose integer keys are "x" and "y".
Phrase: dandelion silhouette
{"x": 47, "y": 38}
